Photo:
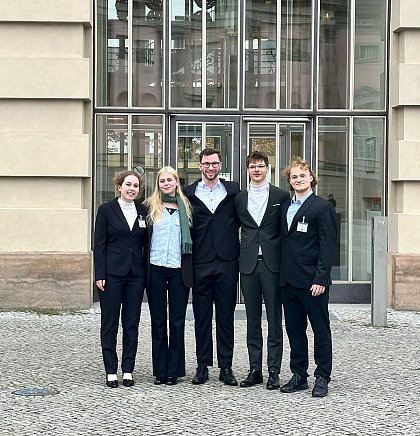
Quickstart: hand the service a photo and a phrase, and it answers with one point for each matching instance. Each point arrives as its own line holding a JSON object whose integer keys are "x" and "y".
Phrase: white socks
{"x": 111, "y": 377}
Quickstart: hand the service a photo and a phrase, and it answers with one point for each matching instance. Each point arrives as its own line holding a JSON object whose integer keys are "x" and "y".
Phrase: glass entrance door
{"x": 190, "y": 136}
{"x": 280, "y": 141}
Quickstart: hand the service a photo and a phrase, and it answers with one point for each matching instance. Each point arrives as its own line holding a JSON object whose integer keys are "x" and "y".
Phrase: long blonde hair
{"x": 154, "y": 202}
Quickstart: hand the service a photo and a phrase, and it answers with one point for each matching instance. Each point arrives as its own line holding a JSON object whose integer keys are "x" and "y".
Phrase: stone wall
{"x": 46, "y": 146}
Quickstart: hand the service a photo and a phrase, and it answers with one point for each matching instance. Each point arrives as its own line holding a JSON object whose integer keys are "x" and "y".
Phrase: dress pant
{"x": 299, "y": 306}
{"x": 262, "y": 283}
{"x": 122, "y": 294}
{"x": 166, "y": 286}
{"x": 215, "y": 281}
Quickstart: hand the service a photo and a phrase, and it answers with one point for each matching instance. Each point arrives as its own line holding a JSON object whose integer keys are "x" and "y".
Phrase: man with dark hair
{"x": 215, "y": 258}
{"x": 309, "y": 233}
{"x": 257, "y": 208}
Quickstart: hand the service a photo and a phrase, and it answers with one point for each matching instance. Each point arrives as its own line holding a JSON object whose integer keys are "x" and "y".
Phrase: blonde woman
{"x": 170, "y": 276}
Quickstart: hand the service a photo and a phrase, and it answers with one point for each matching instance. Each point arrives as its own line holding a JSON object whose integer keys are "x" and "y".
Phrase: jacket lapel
{"x": 270, "y": 202}
{"x": 245, "y": 211}
{"x": 190, "y": 191}
{"x": 117, "y": 210}
{"x": 301, "y": 212}
{"x": 228, "y": 194}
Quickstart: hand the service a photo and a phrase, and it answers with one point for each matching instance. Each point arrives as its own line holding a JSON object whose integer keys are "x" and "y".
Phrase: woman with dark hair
{"x": 120, "y": 244}
{"x": 169, "y": 218}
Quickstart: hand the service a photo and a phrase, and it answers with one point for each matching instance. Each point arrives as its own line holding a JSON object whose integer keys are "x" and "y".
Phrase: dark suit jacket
{"x": 116, "y": 247}
{"x": 307, "y": 257}
{"x": 267, "y": 235}
{"x": 214, "y": 233}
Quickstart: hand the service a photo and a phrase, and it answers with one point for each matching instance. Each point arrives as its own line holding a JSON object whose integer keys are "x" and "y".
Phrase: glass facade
{"x": 289, "y": 77}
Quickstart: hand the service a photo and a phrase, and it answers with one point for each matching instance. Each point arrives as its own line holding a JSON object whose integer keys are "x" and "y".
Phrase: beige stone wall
{"x": 45, "y": 169}
{"x": 404, "y": 155}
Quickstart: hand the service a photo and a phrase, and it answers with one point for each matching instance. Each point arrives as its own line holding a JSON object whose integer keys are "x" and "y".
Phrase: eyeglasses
{"x": 210, "y": 164}
{"x": 253, "y": 167}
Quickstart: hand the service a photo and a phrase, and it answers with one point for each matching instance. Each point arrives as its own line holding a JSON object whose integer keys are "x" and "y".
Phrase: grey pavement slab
{"x": 374, "y": 388}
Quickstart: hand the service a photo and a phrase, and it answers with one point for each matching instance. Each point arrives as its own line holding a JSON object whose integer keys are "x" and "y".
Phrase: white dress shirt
{"x": 211, "y": 197}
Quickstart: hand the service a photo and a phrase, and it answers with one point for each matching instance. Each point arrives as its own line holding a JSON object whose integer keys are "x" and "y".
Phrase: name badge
{"x": 142, "y": 222}
{"x": 177, "y": 223}
{"x": 302, "y": 226}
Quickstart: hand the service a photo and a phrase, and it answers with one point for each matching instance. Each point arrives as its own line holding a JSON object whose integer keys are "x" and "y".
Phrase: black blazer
{"x": 307, "y": 257}
{"x": 214, "y": 233}
{"x": 116, "y": 247}
{"x": 267, "y": 235}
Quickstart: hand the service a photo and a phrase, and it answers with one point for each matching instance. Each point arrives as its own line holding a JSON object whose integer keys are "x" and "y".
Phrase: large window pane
{"x": 147, "y": 53}
{"x": 222, "y": 54}
{"x": 296, "y": 54}
{"x": 280, "y": 142}
{"x": 190, "y": 144}
{"x": 369, "y": 54}
{"x": 333, "y": 183}
{"x": 334, "y": 39}
{"x": 368, "y": 187}
{"x": 262, "y": 137}
{"x": 114, "y": 148}
{"x": 111, "y": 153}
{"x": 192, "y": 138}
{"x": 147, "y": 149}
{"x": 260, "y": 54}
{"x": 112, "y": 46}
{"x": 186, "y": 53}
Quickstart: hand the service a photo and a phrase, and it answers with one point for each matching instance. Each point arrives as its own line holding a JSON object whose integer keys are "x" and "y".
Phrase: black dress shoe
{"x": 171, "y": 381}
{"x": 112, "y": 383}
{"x": 201, "y": 375}
{"x": 159, "y": 381}
{"x": 273, "y": 381}
{"x": 320, "y": 387}
{"x": 296, "y": 383}
{"x": 254, "y": 377}
{"x": 227, "y": 377}
{"x": 128, "y": 382}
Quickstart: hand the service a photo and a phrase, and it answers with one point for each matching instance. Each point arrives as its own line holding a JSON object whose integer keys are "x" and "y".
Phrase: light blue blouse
{"x": 166, "y": 241}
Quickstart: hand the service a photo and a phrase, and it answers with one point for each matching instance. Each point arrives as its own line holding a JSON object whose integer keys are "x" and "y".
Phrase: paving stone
{"x": 374, "y": 388}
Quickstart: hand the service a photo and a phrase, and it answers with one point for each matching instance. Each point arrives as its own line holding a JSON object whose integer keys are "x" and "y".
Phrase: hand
{"x": 317, "y": 290}
{"x": 100, "y": 284}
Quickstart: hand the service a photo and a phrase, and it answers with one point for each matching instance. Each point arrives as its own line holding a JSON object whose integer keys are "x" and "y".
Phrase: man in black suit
{"x": 259, "y": 264}
{"x": 309, "y": 233}
{"x": 215, "y": 258}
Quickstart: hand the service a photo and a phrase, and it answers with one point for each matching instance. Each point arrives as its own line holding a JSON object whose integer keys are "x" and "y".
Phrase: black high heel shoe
{"x": 159, "y": 381}
{"x": 111, "y": 383}
{"x": 171, "y": 381}
{"x": 128, "y": 382}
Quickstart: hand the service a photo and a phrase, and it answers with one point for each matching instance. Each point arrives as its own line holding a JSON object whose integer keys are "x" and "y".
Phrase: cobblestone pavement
{"x": 374, "y": 388}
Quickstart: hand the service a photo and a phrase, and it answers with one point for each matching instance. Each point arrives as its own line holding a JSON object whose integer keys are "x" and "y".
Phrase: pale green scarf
{"x": 186, "y": 241}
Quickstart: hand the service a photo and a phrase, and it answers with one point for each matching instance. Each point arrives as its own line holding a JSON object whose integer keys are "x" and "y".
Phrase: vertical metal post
{"x": 379, "y": 294}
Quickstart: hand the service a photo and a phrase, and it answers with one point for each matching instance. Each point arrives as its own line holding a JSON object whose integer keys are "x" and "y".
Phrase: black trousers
{"x": 215, "y": 281}
{"x": 122, "y": 295}
{"x": 299, "y": 306}
{"x": 262, "y": 283}
{"x": 166, "y": 286}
